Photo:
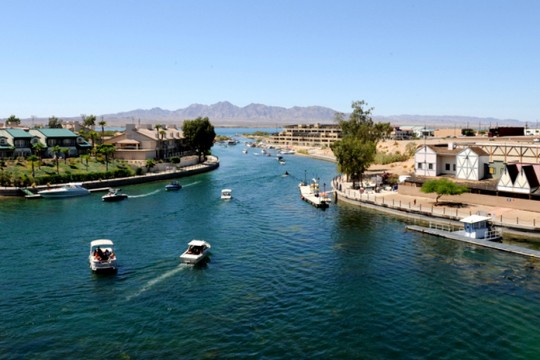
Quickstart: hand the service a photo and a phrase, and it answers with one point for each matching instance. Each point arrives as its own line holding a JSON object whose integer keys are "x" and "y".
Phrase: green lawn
{"x": 19, "y": 172}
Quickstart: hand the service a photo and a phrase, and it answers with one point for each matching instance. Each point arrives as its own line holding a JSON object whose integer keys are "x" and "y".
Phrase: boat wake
{"x": 193, "y": 183}
{"x": 152, "y": 282}
{"x": 144, "y": 195}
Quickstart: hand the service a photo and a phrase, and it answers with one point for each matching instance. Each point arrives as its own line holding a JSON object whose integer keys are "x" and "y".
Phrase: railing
{"x": 438, "y": 211}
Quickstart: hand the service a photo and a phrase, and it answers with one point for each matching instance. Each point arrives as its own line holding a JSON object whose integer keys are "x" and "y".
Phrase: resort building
{"x": 308, "y": 135}
{"x": 143, "y": 143}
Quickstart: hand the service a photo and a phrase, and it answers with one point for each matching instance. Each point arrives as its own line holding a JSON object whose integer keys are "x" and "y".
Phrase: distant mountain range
{"x": 259, "y": 115}
{"x": 227, "y": 114}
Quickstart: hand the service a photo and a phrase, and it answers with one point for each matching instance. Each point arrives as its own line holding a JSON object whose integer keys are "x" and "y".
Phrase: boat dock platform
{"x": 480, "y": 242}
{"x": 309, "y": 196}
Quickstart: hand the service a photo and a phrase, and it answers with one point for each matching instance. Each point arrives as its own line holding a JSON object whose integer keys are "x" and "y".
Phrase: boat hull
{"x": 103, "y": 266}
{"x": 114, "y": 198}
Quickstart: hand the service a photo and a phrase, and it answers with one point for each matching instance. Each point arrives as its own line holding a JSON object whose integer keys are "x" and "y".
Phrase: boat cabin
{"x": 476, "y": 226}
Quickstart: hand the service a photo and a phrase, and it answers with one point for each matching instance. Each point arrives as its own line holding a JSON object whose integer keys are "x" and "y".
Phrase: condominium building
{"x": 308, "y": 135}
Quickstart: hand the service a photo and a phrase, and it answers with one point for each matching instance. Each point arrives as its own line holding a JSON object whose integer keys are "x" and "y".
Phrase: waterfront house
{"x": 64, "y": 138}
{"x": 16, "y": 142}
{"x": 143, "y": 143}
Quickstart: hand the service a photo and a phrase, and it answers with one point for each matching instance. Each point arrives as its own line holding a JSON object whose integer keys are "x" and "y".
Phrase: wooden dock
{"x": 309, "y": 196}
{"x": 484, "y": 243}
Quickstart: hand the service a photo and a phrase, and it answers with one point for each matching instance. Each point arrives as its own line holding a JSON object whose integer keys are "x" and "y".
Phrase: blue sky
{"x": 433, "y": 57}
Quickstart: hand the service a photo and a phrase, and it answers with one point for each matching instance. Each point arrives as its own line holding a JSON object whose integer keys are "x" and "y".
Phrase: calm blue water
{"x": 285, "y": 280}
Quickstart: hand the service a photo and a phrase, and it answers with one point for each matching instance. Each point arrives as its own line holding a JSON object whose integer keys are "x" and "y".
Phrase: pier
{"x": 311, "y": 196}
{"x": 480, "y": 242}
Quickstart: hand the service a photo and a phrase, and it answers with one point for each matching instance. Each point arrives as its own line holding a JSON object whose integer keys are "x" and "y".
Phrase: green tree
{"x": 38, "y": 149}
{"x": 106, "y": 150}
{"x": 93, "y": 137}
{"x": 150, "y": 163}
{"x": 89, "y": 121}
{"x": 356, "y": 150}
{"x": 55, "y": 123}
{"x": 84, "y": 160}
{"x": 57, "y": 150}
{"x": 13, "y": 120}
{"x": 65, "y": 152}
{"x": 32, "y": 159}
{"x": 442, "y": 187}
{"x": 102, "y": 123}
{"x": 199, "y": 135}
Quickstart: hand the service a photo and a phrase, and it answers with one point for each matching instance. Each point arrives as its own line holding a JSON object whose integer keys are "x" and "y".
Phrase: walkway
{"x": 510, "y": 220}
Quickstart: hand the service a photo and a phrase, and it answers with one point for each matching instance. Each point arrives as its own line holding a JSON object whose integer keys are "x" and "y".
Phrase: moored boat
{"x": 67, "y": 190}
{"x": 102, "y": 256}
{"x": 197, "y": 251}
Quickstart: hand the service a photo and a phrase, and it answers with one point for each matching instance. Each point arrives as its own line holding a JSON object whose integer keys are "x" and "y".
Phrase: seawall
{"x": 211, "y": 164}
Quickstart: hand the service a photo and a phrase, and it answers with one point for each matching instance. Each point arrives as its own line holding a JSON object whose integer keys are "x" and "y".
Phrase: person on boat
{"x": 106, "y": 254}
{"x": 100, "y": 254}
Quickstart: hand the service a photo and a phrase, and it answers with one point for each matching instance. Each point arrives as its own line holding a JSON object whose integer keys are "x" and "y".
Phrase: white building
{"x": 471, "y": 163}
{"x": 520, "y": 178}
{"x": 431, "y": 160}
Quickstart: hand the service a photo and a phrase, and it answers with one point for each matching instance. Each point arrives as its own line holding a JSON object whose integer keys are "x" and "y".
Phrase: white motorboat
{"x": 102, "y": 257}
{"x": 197, "y": 250}
{"x": 226, "y": 194}
{"x": 68, "y": 190}
{"x": 114, "y": 195}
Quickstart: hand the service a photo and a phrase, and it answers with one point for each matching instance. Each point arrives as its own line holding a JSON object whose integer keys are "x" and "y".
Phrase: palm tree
{"x": 56, "y": 151}
{"x": 32, "y": 159}
{"x": 102, "y": 123}
{"x": 107, "y": 150}
{"x": 38, "y": 150}
{"x": 93, "y": 136}
{"x": 162, "y": 134}
{"x": 158, "y": 127}
{"x": 65, "y": 151}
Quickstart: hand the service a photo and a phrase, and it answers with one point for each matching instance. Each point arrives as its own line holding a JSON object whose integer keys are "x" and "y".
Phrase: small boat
{"x": 226, "y": 194}
{"x": 174, "y": 185}
{"x": 68, "y": 190}
{"x": 102, "y": 257}
{"x": 114, "y": 195}
{"x": 197, "y": 250}
{"x": 245, "y": 151}
{"x": 287, "y": 152}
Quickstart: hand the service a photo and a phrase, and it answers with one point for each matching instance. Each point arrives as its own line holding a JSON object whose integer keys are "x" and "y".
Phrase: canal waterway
{"x": 285, "y": 280}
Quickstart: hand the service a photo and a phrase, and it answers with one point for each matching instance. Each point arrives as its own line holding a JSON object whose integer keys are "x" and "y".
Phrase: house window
{"x": 454, "y": 167}
{"x": 19, "y": 143}
{"x": 430, "y": 166}
{"x": 419, "y": 166}
{"x": 447, "y": 167}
